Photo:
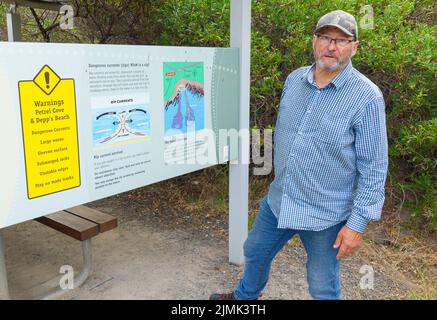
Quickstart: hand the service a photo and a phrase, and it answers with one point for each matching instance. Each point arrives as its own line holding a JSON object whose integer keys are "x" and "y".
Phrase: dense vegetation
{"x": 398, "y": 54}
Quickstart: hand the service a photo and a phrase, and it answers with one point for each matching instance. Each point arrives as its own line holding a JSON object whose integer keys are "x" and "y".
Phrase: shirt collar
{"x": 338, "y": 81}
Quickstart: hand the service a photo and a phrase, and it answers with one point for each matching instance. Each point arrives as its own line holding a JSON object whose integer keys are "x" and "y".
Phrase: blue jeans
{"x": 264, "y": 242}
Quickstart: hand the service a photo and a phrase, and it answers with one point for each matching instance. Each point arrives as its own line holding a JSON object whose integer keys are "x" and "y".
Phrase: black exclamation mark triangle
{"x": 47, "y": 76}
{"x": 47, "y": 80}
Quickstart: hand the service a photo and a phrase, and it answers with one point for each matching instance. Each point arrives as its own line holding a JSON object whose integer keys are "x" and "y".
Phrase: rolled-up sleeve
{"x": 372, "y": 163}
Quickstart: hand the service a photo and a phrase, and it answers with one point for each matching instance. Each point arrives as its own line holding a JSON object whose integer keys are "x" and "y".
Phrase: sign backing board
{"x": 83, "y": 122}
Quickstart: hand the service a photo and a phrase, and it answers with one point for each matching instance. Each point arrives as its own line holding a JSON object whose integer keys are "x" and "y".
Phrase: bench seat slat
{"x": 105, "y": 221}
{"x": 74, "y": 226}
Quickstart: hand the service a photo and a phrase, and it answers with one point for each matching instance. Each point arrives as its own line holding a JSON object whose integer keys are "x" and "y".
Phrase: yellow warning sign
{"x": 47, "y": 80}
{"x": 48, "y": 115}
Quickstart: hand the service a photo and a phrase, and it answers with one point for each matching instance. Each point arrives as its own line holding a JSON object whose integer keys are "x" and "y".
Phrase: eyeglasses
{"x": 326, "y": 40}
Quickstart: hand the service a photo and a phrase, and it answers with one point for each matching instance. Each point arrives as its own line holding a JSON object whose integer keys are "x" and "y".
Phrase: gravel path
{"x": 164, "y": 255}
{"x": 202, "y": 243}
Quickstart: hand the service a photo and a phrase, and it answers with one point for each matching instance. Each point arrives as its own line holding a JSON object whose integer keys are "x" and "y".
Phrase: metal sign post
{"x": 4, "y": 291}
{"x": 239, "y": 172}
{"x": 53, "y": 5}
{"x": 14, "y": 25}
{"x": 14, "y": 34}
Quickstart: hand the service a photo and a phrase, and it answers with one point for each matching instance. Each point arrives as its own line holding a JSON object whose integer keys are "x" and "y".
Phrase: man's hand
{"x": 348, "y": 240}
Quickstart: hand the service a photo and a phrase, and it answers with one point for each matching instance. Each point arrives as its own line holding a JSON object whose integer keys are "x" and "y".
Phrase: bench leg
{"x": 87, "y": 264}
{"x": 4, "y": 290}
{"x": 82, "y": 276}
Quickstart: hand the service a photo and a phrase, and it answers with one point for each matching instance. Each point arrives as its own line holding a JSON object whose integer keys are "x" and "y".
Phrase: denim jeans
{"x": 264, "y": 242}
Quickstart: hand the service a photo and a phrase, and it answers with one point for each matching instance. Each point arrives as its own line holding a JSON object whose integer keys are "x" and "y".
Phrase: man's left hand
{"x": 348, "y": 240}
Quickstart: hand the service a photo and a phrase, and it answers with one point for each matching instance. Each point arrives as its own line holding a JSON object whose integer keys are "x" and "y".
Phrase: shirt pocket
{"x": 331, "y": 131}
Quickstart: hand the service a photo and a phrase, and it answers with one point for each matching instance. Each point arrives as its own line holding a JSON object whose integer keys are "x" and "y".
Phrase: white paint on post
{"x": 14, "y": 26}
{"x": 14, "y": 34}
{"x": 4, "y": 292}
{"x": 239, "y": 172}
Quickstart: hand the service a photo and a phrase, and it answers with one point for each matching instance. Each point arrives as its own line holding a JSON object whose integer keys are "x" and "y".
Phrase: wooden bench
{"x": 81, "y": 223}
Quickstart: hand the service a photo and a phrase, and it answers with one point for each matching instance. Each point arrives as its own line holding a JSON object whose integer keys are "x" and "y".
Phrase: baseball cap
{"x": 341, "y": 20}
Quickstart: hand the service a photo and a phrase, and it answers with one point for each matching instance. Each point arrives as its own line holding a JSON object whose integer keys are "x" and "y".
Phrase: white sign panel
{"x": 84, "y": 122}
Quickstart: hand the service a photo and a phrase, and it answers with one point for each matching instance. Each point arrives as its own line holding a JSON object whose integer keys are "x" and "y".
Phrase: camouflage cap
{"x": 341, "y": 20}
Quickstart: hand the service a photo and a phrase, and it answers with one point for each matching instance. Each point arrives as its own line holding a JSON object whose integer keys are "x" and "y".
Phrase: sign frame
{"x": 240, "y": 30}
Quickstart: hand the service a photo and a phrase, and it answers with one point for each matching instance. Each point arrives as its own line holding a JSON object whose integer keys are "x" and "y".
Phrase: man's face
{"x": 333, "y": 57}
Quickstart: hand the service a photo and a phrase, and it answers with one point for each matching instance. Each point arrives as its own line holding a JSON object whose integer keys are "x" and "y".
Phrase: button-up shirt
{"x": 330, "y": 154}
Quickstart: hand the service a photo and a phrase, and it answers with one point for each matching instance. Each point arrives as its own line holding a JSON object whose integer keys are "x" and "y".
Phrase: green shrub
{"x": 398, "y": 54}
{"x": 417, "y": 145}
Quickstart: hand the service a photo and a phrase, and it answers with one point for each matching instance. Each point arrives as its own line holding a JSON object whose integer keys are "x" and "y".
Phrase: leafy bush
{"x": 398, "y": 54}
{"x": 417, "y": 145}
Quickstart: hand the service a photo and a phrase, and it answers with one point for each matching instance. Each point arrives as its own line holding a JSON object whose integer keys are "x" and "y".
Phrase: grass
{"x": 407, "y": 253}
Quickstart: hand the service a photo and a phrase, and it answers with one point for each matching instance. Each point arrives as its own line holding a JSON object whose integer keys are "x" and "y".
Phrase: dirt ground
{"x": 161, "y": 255}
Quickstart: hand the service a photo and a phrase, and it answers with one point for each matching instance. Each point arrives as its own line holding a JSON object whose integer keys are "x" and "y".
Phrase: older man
{"x": 330, "y": 165}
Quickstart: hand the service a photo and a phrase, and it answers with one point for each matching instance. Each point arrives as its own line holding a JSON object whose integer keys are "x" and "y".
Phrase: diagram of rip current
{"x": 123, "y": 123}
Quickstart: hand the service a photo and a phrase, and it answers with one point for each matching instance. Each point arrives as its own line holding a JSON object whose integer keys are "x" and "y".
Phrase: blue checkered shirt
{"x": 330, "y": 154}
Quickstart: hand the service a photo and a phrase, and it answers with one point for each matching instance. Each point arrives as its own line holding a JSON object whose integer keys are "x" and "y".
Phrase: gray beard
{"x": 338, "y": 66}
